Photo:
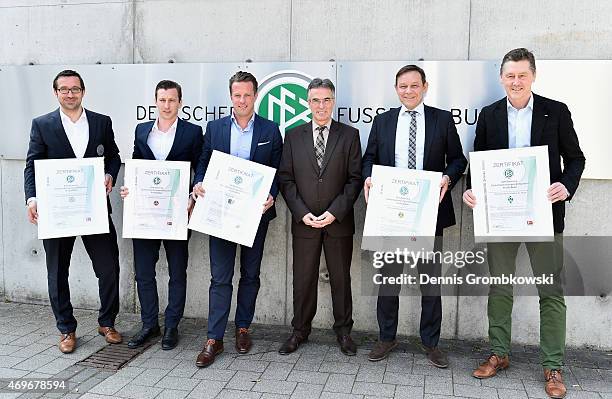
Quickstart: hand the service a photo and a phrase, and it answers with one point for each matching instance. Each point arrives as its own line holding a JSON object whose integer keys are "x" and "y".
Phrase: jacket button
{"x": 320, "y": 180}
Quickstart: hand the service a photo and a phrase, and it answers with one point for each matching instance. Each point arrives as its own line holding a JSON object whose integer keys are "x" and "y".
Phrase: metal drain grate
{"x": 114, "y": 356}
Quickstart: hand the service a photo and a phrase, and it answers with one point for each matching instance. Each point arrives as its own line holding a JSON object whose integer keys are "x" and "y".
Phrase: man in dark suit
{"x": 524, "y": 119}
{"x": 415, "y": 136}
{"x": 74, "y": 132}
{"x": 320, "y": 178}
{"x": 246, "y": 135}
{"x": 172, "y": 139}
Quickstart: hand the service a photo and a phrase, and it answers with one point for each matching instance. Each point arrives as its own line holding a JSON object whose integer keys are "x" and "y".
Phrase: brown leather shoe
{"x": 436, "y": 357}
{"x": 381, "y": 350}
{"x": 243, "y": 340}
{"x": 554, "y": 384}
{"x": 212, "y": 348}
{"x": 111, "y": 335}
{"x": 347, "y": 345}
{"x": 493, "y": 364}
{"x": 68, "y": 342}
{"x": 292, "y": 343}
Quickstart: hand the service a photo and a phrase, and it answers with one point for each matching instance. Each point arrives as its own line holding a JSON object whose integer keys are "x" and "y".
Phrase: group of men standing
{"x": 320, "y": 173}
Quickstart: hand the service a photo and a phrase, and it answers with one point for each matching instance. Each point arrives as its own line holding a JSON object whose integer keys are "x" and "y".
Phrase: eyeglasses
{"x": 73, "y": 90}
{"x": 318, "y": 101}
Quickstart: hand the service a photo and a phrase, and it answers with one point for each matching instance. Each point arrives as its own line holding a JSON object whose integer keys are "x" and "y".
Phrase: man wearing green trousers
{"x": 524, "y": 119}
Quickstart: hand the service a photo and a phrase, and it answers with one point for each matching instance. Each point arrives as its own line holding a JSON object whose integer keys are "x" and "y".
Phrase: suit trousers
{"x": 222, "y": 256}
{"x": 146, "y": 255}
{"x": 306, "y": 259}
{"x": 546, "y": 258}
{"x": 387, "y": 305}
{"x": 104, "y": 254}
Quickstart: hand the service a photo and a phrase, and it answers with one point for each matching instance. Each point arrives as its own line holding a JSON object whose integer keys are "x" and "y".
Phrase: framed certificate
{"x": 71, "y": 197}
{"x": 402, "y": 209}
{"x": 235, "y": 191}
{"x": 511, "y": 201}
{"x": 156, "y": 206}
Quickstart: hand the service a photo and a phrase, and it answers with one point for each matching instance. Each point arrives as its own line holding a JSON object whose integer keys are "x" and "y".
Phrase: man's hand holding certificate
{"x": 402, "y": 203}
{"x": 512, "y": 187}
{"x": 235, "y": 191}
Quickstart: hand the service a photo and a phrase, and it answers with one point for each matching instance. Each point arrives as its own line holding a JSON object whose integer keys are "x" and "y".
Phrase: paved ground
{"x": 28, "y": 349}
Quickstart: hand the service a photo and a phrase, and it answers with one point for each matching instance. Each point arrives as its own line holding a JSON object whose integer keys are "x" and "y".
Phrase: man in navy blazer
{"x": 415, "y": 136}
{"x": 246, "y": 135}
{"x": 167, "y": 138}
{"x": 74, "y": 132}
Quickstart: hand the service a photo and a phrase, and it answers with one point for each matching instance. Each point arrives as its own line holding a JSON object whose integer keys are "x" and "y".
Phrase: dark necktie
{"x": 412, "y": 142}
{"x": 320, "y": 146}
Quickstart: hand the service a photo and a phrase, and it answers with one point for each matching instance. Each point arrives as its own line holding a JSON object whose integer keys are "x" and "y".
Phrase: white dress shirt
{"x": 519, "y": 125}
{"x": 77, "y": 132}
{"x": 159, "y": 142}
{"x": 315, "y": 132}
{"x": 402, "y": 137}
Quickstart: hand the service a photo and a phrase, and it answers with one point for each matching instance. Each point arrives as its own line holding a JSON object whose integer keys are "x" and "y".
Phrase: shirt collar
{"x": 420, "y": 109}
{"x": 315, "y": 126}
{"x": 248, "y": 127}
{"x": 509, "y": 105}
{"x": 66, "y": 118}
{"x": 172, "y": 128}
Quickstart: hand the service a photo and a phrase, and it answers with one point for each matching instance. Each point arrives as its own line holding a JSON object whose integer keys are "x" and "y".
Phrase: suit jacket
{"x": 551, "y": 125}
{"x": 266, "y": 149}
{"x": 334, "y": 188}
{"x": 187, "y": 144}
{"x": 48, "y": 140}
{"x": 442, "y": 151}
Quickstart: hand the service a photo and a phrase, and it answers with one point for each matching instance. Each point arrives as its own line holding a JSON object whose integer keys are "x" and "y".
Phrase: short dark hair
{"x": 519, "y": 54}
{"x": 167, "y": 85}
{"x": 317, "y": 83}
{"x": 242, "y": 76}
{"x": 67, "y": 73}
{"x": 410, "y": 68}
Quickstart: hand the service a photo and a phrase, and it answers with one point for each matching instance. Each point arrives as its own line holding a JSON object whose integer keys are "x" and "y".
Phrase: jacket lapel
{"x": 61, "y": 134}
{"x": 226, "y": 135}
{"x": 255, "y": 137}
{"x": 430, "y": 131}
{"x": 391, "y": 131}
{"x": 178, "y": 138}
{"x": 538, "y": 120}
{"x": 309, "y": 145}
{"x": 92, "y": 121}
{"x": 332, "y": 140}
{"x": 501, "y": 118}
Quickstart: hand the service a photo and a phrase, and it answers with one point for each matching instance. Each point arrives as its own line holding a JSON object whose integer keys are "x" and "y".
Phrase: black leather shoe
{"x": 170, "y": 338}
{"x": 143, "y": 336}
{"x": 292, "y": 344}
{"x": 347, "y": 345}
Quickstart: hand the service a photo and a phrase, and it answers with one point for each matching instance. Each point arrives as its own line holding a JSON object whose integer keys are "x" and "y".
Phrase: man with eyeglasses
{"x": 320, "y": 179}
{"x": 74, "y": 132}
{"x": 415, "y": 136}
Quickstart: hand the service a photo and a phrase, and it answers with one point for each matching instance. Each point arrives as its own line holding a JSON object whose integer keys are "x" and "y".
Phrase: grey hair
{"x": 317, "y": 83}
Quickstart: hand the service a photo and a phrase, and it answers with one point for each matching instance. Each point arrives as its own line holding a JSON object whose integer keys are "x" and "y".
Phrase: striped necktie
{"x": 320, "y": 146}
{"x": 412, "y": 142}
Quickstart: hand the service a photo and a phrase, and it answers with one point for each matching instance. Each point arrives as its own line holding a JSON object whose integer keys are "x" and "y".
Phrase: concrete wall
{"x": 153, "y": 31}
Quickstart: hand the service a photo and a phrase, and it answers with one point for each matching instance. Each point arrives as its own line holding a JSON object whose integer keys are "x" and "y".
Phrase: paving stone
{"x": 133, "y": 391}
{"x": 465, "y": 377}
{"x": 596, "y": 385}
{"x": 416, "y": 380}
{"x": 308, "y": 363}
{"x": 511, "y": 394}
{"x": 243, "y": 380}
{"x": 10, "y": 361}
{"x": 111, "y": 385}
{"x": 330, "y": 395}
{"x": 339, "y": 367}
{"x": 374, "y": 389}
{"x": 150, "y": 377}
{"x": 535, "y": 389}
{"x": 504, "y": 383}
{"x": 311, "y": 377}
{"x": 408, "y": 392}
{"x": 85, "y": 385}
{"x": 342, "y": 383}
{"x": 12, "y": 373}
{"x": 177, "y": 394}
{"x": 35, "y": 362}
{"x": 306, "y": 391}
{"x": 582, "y": 395}
{"x": 273, "y": 386}
{"x": 438, "y": 385}
{"x": 213, "y": 374}
{"x": 32, "y": 349}
{"x": 277, "y": 371}
{"x": 371, "y": 373}
{"x": 274, "y": 356}
{"x": 470, "y": 391}
{"x": 431, "y": 370}
{"x": 177, "y": 383}
{"x": 56, "y": 366}
{"x": 233, "y": 394}
{"x": 273, "y": 396}
{"x": 129, "y": 371}
{"x": 248, "y": 365}
{"x": 206, "y": 390}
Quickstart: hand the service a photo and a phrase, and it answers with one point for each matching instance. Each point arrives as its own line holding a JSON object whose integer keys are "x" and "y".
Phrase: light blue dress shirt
{"x": 240, "y": 144}
{"x": 519, "y": 125}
